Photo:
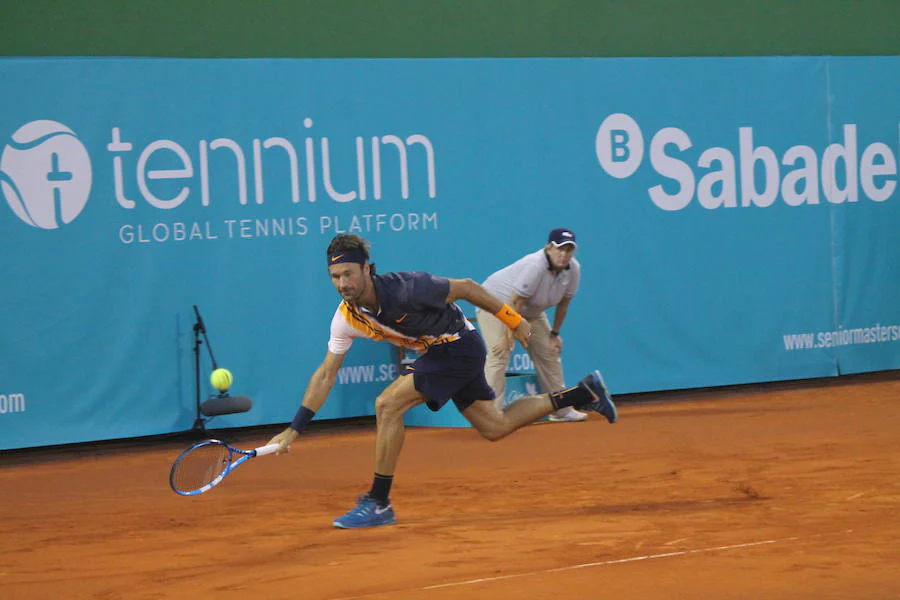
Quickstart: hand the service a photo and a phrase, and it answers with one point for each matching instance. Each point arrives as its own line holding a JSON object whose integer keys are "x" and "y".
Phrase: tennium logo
{"x": 754, "y": 175}
{"x": 45, "y": 174}
{"x": 247, "y": 187}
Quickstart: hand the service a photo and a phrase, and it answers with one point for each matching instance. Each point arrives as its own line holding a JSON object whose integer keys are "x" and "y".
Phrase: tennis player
{"x": 417, "y": 310}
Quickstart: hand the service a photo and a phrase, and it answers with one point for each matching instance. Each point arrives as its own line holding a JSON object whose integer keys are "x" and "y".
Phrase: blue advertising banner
{"x": 865, "y": 128}
{"x": 734, "y": 219}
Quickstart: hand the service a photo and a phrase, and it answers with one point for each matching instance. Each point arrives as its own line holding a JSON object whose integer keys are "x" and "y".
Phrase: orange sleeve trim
{"x": 373, "y": 331}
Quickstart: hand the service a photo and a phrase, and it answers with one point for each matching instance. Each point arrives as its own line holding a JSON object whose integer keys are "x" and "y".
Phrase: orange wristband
{"x": 509, "y": 317}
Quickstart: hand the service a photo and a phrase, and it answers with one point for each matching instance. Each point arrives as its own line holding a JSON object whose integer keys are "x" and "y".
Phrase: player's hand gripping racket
{"x": 205, "y": 464}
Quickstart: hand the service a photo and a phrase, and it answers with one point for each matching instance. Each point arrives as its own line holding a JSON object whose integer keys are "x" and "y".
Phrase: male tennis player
{"x": 417, "y": 310}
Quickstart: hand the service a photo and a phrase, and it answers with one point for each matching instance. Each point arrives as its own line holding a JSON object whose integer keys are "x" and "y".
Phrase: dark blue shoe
{"x": 367, "y": 513}
{"x": 602, "y": 401}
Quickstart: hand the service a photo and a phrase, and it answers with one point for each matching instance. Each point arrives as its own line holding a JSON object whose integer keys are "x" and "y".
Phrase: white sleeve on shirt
{"x": 342, "y": 334}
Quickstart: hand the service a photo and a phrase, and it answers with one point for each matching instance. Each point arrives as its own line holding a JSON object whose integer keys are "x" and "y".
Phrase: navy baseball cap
{"x": 560, "y": 237}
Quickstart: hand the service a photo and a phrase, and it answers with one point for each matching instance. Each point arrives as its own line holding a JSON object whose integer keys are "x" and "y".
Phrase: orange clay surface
{"x": 778, "y": 491}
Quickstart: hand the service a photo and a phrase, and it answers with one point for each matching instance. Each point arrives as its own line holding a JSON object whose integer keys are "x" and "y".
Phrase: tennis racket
{"x": 205, "y": 464}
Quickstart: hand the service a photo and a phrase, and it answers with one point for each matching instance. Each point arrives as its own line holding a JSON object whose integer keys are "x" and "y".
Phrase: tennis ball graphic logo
{"x": 45, "y": 174}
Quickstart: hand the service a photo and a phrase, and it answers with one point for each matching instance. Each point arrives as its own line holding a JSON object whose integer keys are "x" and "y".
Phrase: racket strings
{"x": 200, "y": 467}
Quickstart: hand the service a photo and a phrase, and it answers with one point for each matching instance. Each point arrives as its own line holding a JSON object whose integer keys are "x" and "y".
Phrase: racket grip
{"x": 269, "y": 449}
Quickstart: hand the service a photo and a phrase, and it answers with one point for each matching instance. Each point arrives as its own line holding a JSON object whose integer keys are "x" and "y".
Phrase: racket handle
{"x": 270, "y": 449}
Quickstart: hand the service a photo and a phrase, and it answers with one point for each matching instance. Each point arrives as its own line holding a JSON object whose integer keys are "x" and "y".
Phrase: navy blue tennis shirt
{"x": 413, "y": 312}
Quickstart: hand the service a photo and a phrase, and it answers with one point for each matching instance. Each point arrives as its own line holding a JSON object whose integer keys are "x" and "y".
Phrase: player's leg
{"x": 390, "y": 407}
{"x": 548, "y": 366}
{"x": 495, "y": 424}
{"x": 374, "y": 508}
{"x": 495, "y": 337}
{"x": 467, "y": 358}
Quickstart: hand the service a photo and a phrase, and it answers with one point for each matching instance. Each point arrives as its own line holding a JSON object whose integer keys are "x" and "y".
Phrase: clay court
{"x": 774, "y": 491}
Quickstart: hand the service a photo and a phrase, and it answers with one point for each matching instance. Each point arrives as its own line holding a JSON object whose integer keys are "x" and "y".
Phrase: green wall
{"x": 430, "y": 28}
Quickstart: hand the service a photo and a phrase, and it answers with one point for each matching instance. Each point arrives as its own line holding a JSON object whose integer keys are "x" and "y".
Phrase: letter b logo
{"x": 619, "y": 145}
{"x": 619, "y": 139}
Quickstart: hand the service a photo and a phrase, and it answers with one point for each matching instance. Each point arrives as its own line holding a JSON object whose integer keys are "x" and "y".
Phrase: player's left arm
{"x": 474, "y": 293}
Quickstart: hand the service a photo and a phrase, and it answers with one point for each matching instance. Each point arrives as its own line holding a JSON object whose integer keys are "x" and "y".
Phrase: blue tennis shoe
{"x": 367, "y": 513}
{"x": 602, "y": 401}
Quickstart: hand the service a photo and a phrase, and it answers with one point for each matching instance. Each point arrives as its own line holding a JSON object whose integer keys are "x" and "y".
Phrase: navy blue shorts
{"x": 453, "y": 370}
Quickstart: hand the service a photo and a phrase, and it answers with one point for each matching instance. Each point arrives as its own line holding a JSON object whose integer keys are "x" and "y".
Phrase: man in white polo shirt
{"x": 531, "y": 285}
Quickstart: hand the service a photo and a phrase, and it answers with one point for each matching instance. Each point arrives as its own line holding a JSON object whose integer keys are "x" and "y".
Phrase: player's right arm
{"x": 321, "y": 381}
{"x": 317, "y": 390}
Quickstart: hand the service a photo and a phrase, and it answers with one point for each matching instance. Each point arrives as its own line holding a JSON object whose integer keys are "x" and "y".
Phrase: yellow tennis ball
{"x": 221, "y": 379}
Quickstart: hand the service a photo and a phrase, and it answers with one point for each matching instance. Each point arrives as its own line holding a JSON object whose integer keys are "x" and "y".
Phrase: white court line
{"x": 611, "y": 562}
{"x": 617, "y": 561}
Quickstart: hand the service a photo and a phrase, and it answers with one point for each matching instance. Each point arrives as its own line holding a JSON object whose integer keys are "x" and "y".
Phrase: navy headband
{"x": 344, "y": 256}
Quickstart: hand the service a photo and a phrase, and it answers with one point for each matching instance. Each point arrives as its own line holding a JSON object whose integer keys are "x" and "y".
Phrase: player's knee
{"x": 386, "y": 407}
{"x": 493, "y": 433}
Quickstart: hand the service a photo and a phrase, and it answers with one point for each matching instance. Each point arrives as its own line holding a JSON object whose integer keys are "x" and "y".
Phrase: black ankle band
{"x": 574, "y": 396}
{"x": 381, "y": 487}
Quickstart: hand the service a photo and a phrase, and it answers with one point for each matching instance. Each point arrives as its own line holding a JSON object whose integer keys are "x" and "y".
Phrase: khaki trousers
{"x": 547, "y": 363}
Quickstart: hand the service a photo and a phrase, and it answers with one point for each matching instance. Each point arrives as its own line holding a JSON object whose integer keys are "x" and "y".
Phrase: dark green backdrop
{"x": 430, "y": 28}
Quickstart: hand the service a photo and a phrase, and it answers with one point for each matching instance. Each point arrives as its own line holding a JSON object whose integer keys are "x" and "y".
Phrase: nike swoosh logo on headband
{"x": 334, "y": 258}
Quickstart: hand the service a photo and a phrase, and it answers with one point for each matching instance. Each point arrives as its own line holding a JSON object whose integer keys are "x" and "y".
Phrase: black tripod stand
{"x": 223, "y": 404}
